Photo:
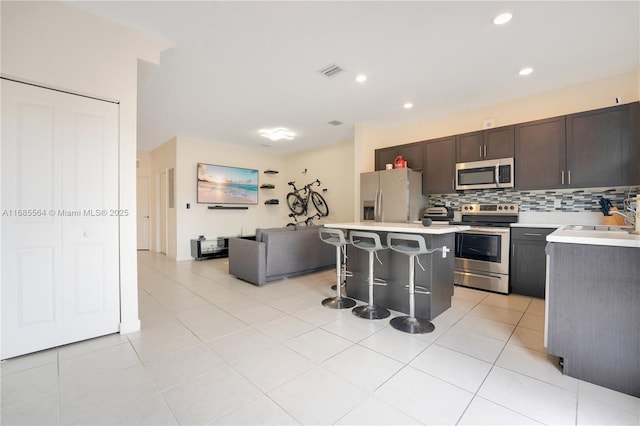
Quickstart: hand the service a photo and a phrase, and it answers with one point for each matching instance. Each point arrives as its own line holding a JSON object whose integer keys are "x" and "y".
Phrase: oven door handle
{"x": 471, "y": 274}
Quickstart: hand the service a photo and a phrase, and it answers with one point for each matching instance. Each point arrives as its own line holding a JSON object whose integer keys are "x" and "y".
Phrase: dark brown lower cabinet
{"x": 593, "y": 317}
{"x": 528, "y": 261}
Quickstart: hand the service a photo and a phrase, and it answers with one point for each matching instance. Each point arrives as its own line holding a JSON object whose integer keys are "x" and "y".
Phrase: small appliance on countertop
{"x": 438, "y": 213}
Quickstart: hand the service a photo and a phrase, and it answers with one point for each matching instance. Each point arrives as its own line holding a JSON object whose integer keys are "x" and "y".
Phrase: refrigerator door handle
{"x": 378, "y": 207}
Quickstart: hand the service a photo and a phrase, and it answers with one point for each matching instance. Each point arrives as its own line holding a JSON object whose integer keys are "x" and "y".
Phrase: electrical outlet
{"x": 557, "y": 203}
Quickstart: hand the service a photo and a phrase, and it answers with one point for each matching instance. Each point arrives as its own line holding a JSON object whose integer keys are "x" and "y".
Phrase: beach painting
{"x": 227, "y": 185}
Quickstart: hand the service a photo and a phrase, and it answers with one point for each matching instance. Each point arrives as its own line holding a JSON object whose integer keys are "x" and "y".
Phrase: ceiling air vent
{"x": 331, "y": 70}
{"x": 335, "y": 123}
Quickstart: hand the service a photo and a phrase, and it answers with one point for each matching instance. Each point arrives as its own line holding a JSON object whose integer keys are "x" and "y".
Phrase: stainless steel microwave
{"x": 496, "y": 173}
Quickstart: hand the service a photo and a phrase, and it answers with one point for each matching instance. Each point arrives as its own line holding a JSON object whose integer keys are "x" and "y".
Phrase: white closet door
{"x": 90, "y": 239}
{"x": 60, "y": 273}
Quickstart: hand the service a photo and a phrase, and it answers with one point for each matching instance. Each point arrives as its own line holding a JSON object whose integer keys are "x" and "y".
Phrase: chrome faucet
{"x": 630, "y": 219}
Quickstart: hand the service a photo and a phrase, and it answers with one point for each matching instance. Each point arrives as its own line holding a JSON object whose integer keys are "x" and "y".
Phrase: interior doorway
{"x": 142, "y": 202}
{"x": 162, "y": 212}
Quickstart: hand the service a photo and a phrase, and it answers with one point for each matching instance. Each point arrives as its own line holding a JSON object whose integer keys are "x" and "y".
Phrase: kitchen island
{"x": 593, "y": 294}
{"x": 437, "y": 276}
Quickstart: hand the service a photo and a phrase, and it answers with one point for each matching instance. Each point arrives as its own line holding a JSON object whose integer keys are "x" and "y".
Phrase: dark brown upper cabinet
{"x": 583, "y": 150}
{"x": 540, "y": 154}
{"x": 485, "y": 144}
{"x": 439, "y": 163}
{"x": 600, "y": 149}
{"x": 412, "y": 152}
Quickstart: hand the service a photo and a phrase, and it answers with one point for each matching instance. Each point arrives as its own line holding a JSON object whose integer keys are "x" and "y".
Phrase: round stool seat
{"x": 336, "y": 238}
{"x": 369, "y": 241}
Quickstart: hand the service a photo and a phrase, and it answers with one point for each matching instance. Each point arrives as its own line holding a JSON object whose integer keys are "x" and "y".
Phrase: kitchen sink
{"x": 601, "y": 228}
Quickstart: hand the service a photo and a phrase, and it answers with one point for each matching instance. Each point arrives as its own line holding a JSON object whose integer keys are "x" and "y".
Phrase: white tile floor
{"x": 216, "y": 350}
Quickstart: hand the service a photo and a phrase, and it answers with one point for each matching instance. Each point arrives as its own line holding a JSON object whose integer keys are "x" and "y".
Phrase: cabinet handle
{"x": 531, "y": 234}
{"x": 562, "y": 177}
{"x": 485, "y": 151}
{"x": 569, "y": 176}
{"x": 480, "y": 151}
{"x": 513, "y": 250}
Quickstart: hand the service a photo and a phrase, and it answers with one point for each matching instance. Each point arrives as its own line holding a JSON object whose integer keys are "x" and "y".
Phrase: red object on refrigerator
{"x": 399, "y": 162}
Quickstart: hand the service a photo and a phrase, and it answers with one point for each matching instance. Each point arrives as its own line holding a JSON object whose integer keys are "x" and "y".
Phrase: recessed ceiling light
{"x": 361, "y": 78}
{"x": 502, "y": 19}
{"x": 277, "y": 134}
{"x": 526, "y": 71}
{"x": 407, "y": 105}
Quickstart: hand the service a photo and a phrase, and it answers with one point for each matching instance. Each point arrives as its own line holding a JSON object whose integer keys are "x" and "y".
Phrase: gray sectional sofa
{"x": 279, "y": 253}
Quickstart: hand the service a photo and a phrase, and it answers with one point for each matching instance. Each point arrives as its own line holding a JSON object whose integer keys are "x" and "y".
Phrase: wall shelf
{"x": 228, "y": 207}
{"x": 271, "y": 172}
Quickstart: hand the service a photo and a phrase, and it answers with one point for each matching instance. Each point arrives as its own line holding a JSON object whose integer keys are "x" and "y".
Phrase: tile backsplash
{"x": 557, "y": 200}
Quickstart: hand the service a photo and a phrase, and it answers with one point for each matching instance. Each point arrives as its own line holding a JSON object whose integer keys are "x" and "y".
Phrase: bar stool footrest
{"x": 371, "y": 312}
{"x": 419, "y": 289}
{"x": 338, "y": 303}
{"x": 412, "y": 325}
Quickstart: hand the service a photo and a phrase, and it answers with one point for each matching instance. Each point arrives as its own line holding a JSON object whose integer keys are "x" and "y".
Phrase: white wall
{"x": 366, "y": 138}
{"x": 582, "y": 97}
{"x": 58, "y": 46}
{"x": 199, "y": 220}
{"x": 331, "y": 164}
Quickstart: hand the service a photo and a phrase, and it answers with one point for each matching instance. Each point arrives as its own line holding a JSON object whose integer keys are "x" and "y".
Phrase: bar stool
{"x": 369, "y": 241}
{"x": 412, "y": 245}
{"x": 336, "y": 238}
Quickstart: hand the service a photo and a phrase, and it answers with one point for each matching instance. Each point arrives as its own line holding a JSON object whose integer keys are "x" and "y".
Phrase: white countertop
{"x": 410, "y": 228}
{"x": 598, "y": 238}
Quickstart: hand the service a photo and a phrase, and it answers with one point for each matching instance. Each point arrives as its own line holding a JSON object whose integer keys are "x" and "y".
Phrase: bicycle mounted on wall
{"x": 298, "y": 202}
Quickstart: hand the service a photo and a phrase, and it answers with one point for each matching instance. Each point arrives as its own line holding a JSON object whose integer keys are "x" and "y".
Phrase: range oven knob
{"x": 499, "y": 207}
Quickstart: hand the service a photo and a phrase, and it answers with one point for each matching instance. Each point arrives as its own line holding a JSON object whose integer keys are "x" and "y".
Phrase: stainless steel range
{"x": 482, "y": 253}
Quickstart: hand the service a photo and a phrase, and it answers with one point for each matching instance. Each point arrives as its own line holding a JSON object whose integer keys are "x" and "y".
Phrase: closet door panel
{"x": 91, "y": 303}
{"x": 32, "y": 284}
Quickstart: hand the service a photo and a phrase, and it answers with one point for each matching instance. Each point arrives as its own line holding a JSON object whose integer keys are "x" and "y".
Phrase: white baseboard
{"x": 129, "y": 327}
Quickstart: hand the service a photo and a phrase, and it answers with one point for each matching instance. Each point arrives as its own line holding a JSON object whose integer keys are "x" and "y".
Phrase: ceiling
{"x": 239, "y": 67}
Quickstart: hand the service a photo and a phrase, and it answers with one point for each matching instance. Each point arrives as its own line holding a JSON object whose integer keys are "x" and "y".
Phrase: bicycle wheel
{"x": 296, "y": 205}
{"x": 320, "y": 204}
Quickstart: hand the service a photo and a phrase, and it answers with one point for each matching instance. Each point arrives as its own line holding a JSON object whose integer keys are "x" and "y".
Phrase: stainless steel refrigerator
{"x": 391, "y": 195}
